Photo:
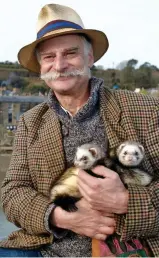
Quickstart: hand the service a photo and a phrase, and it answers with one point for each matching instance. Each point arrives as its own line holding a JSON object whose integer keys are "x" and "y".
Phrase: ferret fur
{"x": 125, "y": 159}
{"x": 65, "y": 191}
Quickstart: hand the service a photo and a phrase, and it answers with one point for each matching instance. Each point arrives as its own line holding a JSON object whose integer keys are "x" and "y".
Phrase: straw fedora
{"x": 56, "y": 20}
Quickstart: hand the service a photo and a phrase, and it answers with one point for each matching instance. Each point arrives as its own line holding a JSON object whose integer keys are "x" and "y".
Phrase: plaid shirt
{"x": 38, "y": 160}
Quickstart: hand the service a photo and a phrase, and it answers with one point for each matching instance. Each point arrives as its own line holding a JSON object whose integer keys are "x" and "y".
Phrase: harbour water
{"x": 5, "y": 226}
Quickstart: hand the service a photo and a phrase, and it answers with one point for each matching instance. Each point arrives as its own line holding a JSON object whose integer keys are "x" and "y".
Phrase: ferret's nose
{"x": 130, "y": 158}
{"x": 75, "y": 163}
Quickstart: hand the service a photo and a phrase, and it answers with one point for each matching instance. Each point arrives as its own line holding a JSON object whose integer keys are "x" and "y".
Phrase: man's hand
{"x": 108, "y": 194}
{"x": 85, "y": 221}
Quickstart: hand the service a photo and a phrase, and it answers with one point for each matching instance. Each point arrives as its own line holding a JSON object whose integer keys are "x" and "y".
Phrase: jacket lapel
{"x": 51, "y": 141}
{"x": 116, "y": 129}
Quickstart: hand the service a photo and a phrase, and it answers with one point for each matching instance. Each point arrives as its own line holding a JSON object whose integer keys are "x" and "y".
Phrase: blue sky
{"x": 132, "y": 27}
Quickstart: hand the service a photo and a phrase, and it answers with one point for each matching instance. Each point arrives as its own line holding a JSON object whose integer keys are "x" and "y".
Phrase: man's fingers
{"x": 107, "y": 214}
{"x": 110, "y": 222}
{"x": 85, "y": 178}
{"x": 106, "y": 230}
{"x": 104, "y": 171}
{"x": 83, "y": 190}
{"x": 100, "y": 237}
{"x": 98, "y": 170}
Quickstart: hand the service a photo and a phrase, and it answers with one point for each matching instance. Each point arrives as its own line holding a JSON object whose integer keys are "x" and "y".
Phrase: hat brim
{"x": 27, "y": 56}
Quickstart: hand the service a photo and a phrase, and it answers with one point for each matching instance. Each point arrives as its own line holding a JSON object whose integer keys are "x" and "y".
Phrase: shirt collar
{"x": 67, "y": 112}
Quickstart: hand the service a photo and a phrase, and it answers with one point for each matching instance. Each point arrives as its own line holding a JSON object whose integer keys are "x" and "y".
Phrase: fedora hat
{"x": 56, "y": 20}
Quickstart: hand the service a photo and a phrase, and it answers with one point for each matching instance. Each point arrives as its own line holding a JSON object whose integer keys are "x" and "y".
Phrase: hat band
{"x": 55, "y": 25}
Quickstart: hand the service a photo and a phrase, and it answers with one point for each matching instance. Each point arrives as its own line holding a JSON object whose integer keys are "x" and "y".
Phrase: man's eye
{"x": 48, "y": 57}
{"x": 71, "y": 53}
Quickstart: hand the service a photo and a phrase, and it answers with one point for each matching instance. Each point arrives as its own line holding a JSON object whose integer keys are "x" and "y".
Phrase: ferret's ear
{"x": 141, "y": 148}
{"x": 112, "y": 153}
{"x": 93, "y": 152}
{"x": 121, "y": 146}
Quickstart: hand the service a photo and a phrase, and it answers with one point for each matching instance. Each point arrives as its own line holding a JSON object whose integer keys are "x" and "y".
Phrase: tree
{"x": 19, "y": 82}
{"x": 154, "y": 68}
{"x": 114, "y": 79}
{"x": 132, "y": 63}
{"x": 94, "y": 68}
{"x": 128, "y": 75}
{"x": 144, "y": 77}
{"x": 35, "y": 88}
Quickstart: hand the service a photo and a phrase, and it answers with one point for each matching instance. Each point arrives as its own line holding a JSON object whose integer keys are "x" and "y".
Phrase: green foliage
{"x": 8, "y": 64}
{"x": 114, "y": 79}
{"x": 144, "y": 92}
{"x": 132, "y": 63}
{"x": 19, "y": 82}
{"x": 146, "y": 76}
{"x": 36, "y": 88}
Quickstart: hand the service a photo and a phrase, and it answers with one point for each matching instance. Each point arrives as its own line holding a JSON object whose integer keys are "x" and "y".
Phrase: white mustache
{"x": 55, "y": 75}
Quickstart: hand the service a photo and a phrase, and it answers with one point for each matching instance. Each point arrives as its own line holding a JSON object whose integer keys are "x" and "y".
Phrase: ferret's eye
{"x": 125, "y": 153}
{"x": 136, "y": 153}
{"x": 84, "y": 158}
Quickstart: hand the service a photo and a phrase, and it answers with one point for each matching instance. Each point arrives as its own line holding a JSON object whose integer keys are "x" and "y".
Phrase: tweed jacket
{"x": 38, "y": 160}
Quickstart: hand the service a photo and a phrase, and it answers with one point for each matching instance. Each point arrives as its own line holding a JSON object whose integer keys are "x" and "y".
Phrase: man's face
{"x": 62, "y": 55}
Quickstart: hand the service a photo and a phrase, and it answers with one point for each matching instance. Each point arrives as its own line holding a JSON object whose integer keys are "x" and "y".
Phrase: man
{"x": 79, "y": 110}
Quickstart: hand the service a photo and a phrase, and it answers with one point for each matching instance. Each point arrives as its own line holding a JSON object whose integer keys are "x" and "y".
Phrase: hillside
{"x": 13, "y": 75}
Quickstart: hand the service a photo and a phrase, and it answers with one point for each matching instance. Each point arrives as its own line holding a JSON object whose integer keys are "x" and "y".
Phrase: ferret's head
{"x": 130, "y": 153}
{"x": 87, "y": 155}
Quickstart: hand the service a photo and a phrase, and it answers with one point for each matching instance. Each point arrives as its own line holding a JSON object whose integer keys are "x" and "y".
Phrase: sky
{"x": 132, "y": 27}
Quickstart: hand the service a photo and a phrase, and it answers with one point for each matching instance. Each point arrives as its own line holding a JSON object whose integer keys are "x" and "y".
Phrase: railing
{"x": 22, "y": 99}
{"x": 6, "y": 148}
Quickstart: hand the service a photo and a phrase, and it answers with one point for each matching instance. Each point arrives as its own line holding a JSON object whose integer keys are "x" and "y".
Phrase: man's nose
{"x": 60, "y": 64}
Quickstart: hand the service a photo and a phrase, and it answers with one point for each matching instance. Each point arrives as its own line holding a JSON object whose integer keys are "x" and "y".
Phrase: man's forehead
{"x": 61, "y": 42}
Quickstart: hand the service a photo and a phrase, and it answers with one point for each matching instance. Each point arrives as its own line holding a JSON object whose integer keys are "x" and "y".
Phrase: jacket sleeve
{"x": 55, "y": 231}
{"x": 142, "y": 218}
{"x": 22, "y": 203}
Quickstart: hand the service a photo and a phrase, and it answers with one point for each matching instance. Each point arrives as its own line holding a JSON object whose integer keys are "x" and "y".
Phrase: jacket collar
{"x": 111, "y": 113}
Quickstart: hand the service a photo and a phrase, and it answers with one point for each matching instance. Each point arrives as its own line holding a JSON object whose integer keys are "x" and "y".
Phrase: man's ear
{"x": 90, "y": 58}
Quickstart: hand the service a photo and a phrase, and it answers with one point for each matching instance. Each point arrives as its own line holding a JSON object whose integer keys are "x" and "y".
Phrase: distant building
{"x": 137, "y": 90}
{"x": 12, "y": 107}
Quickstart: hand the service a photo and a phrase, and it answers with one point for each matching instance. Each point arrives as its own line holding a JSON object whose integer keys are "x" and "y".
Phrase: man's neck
{"x": 72, "y": 103}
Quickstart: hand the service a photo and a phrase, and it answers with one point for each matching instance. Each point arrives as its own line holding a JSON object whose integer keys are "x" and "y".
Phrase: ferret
{"x": 125, "y": 159}
{"x": 65, "y": 192}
